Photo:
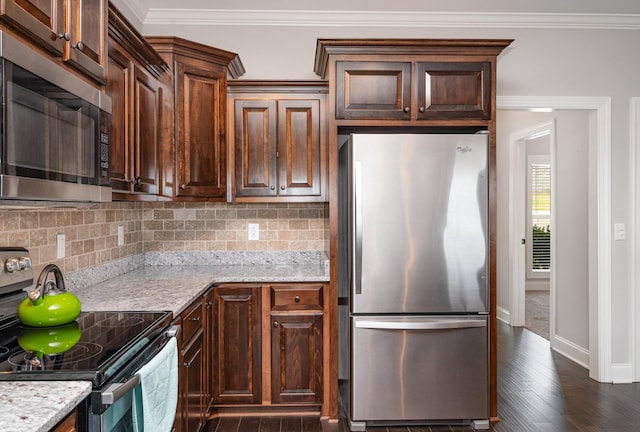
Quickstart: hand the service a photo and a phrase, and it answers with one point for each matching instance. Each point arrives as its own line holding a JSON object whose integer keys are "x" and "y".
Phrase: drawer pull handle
{"x": 196, "y": 319}
{"x": 187, "y": 364}
{"x": 297, "y": 299}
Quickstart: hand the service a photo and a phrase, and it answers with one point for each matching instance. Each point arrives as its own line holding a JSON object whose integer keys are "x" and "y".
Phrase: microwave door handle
{"x": 115, "y": 391}
{"x": 420, "y": 325}
{"x": 357, "y": 198}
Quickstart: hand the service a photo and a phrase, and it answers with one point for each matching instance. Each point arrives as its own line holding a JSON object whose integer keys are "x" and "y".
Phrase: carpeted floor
{"x": 536, "y": 314}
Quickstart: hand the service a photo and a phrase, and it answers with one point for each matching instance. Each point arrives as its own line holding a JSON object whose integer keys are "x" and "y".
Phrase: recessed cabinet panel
{"x": 146, "y": 107}
{"x": 299, "y": 142}
{"x": 201, "y": 160}
{"x": 255, "y": 132}
{"x": 454, "y": 90}
{"x": 375, "y": 90}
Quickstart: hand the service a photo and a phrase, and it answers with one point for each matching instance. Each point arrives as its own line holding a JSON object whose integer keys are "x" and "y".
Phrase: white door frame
{"x": 634, "y": 274}
{"x": 518, "y": 220}
{"x": 600, "y": 326}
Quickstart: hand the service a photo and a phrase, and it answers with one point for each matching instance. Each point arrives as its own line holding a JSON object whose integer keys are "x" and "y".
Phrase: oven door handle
{"x": 115, "y": 391}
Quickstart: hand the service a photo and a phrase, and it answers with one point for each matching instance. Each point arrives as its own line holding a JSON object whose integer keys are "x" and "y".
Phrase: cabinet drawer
{"x": 296, "y": 297}
{"x": 192, "y": 320}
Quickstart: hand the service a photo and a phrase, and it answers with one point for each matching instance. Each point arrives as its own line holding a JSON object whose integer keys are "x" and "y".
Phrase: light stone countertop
{"x": 173, "y": 288}
{"x": 37, "y": 406}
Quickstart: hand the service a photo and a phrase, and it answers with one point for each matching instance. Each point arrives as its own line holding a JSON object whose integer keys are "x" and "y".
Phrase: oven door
{"x": 112, "y": 406}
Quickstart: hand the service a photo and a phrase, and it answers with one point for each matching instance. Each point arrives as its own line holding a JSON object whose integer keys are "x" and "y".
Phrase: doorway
{"x": 592, "y": 348}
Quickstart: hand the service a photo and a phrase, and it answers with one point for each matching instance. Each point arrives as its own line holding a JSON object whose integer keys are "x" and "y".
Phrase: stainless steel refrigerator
{"x": 413, "y": 282}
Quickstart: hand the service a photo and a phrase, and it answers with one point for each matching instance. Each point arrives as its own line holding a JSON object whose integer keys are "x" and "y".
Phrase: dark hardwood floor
{"x": 538, "y": 391}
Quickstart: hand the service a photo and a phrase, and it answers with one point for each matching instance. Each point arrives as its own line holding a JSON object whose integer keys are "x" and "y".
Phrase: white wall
{"x": 540, "y": 62}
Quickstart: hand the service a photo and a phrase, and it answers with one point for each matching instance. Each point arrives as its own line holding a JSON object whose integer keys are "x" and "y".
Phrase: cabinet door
{"x": 119, "y": 90}
{"x": 454, "y": 90}
{"x": 255, "y": 147}
{"x": 201, "y": 149}
{"x": 237, "y": 363}
{"x": 87, "y": 35}
{"x": 39, "y": 20}
{"x": 373, "y": 90}
{"x": 193, "y": 378}
{"x": 147, "y": 98}
{"x": 296, "y": 358}
{"x": 299, "y": 147}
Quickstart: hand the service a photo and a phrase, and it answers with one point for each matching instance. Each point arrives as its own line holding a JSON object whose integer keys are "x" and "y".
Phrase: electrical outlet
{"x": 254, "y": 231}
{"x": 619, "y": 232}
{"x": 120, "y": 235}
{"x": 61, "y": 243}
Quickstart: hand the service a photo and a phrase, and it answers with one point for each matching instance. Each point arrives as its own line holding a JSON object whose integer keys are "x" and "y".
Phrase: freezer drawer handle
{"x": 424, "y": 325}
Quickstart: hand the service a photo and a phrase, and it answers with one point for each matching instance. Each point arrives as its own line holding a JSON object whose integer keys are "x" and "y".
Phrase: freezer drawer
{"x": 419, "y": 369}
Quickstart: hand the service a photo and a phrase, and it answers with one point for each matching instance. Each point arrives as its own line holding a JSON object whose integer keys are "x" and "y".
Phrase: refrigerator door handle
{"x": 357, "y": 262}
{"x": 420, "y": 325}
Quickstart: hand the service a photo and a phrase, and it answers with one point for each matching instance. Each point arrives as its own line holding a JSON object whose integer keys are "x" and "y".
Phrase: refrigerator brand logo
{"x": 464, "y": 149}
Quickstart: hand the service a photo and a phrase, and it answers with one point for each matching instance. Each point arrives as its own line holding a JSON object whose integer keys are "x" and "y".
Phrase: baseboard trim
{"x": 570, "y": 350}
{"x": 621, "y": 373}
{"x": 504, "y": 315}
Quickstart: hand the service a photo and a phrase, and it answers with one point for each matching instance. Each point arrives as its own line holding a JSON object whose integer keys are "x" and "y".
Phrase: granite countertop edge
{"x": 26, "y": 406}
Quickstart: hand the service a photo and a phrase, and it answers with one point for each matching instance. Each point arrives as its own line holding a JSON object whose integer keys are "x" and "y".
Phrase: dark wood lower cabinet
{"x": 296, "y": 358}
{"x": 237, "y": 364}
{"x": 69, "y": 424}
{"x": 251, "y": 348}
{"x": 193, "y": 367}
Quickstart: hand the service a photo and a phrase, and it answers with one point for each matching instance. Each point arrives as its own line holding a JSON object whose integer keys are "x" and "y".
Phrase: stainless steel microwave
{"x": 54, "y": 140}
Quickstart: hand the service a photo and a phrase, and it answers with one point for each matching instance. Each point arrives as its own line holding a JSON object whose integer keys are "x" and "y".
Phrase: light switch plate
{"x": 253, "y": 231}
{"x": 61, "y": 244}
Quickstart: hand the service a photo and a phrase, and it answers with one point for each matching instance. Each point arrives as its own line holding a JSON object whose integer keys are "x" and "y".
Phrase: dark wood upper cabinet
{"x": 86, "y": 37}
{"x": 454, "y": 90}
{"x": 76, "y": 30}
{"x": 278, "y": 138}
{"x": 373, "y": 90}
{"x": 134, "y": 84}
{"x": 415, "y": 82}
{"x": 201, "y": 155}
{"x": 195, "y": 138}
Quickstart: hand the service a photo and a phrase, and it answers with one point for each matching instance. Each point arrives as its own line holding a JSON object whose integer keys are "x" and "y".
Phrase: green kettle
{"x": 49, "y": 304}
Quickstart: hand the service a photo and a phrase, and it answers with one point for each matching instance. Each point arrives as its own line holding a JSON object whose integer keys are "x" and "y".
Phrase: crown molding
{"x": 322, "y": 18}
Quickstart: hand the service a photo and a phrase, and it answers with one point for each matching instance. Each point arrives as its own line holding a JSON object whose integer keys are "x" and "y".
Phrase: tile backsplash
{"x": 91, "y": 234}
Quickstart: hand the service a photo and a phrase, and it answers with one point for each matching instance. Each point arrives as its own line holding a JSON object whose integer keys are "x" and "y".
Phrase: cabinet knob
{"x": 276, "y": 324}
{"x": 296, "y": 299}
{"x": 78, "y": 46}
{"x": 282, "y": 187}
{"x": 406, "y": 109}
{"x": 66, "y": 36}
{"x": 183, "y": 186}
{"x": 273, "y": 187}
{"x": 421, "y": 109}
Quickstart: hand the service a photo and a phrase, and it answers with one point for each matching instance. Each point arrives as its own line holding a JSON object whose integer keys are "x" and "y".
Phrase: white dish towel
{"x": 157, "y": 394}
